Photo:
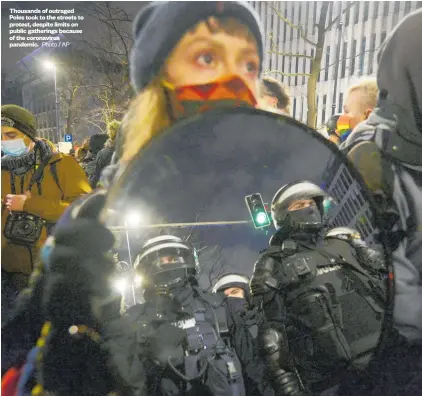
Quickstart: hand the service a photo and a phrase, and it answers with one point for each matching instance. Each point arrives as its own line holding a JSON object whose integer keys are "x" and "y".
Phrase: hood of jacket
{"x": 400, "y": 78}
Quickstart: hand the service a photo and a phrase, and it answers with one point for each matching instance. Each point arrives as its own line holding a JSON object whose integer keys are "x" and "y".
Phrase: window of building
{"x": 301, "y": 108}
{"x": 372, "y": 53}
{"x": 330, "y": 12}
{"x": 362, "y": 55}
{"x": 353, "y": 58}
{"x": 285, "y": 26}
{"x": 383, "y": 36}
{"x": 366, "y": 11}
{"x": 385, "y": 9}
{"x": 406, "y": 7}
{"x": 396, "y": 7}
{"x": 297, "y": 69}
{"x": 304, "y": 68}
{"x": 327, "y": 63}
{"x": 356, "y": 10}
{"x": 340, "y": 102}
{"x": 294, "y": 108}
{"x": 376, "y": 8}
{"x": 311, "y": 60}
{"x": 299, "y": 18}
{"x": 343, "y": 60}
{"x": 314, "y": 20}
{"x": 282, "y": 68}
{"x": 324, "y": 104}
{"x": 347, "y": 15}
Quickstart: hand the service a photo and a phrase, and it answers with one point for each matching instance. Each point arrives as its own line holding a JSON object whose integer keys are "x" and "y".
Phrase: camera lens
{"x": 25, "y": 228}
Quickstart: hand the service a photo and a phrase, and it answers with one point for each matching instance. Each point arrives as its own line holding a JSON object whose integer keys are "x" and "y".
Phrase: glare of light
{"x": 138, "y": 280}
{"x": 120, "y": 285}
{"x": 133, "y": 219}
{"x": 261, "y": 218}
{"x": 49, "y": 65}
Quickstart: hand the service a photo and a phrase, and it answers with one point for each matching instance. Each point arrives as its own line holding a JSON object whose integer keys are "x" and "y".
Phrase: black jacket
{"x": 103, "y": 159}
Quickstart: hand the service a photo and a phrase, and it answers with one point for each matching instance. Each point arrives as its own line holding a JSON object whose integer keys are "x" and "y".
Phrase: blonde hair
{"x": 369, "y": 88}
{"x": 112, "y": 128}
{"x": 148, "y": 113}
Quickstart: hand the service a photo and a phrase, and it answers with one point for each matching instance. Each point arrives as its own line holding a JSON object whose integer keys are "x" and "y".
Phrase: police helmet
{"x": 344, "y": 233}
{"x": 167, "y": 260}
{"x": 227, "y": 281}
{"x": 297, "y": 191}
{"x": 332, "y": 123}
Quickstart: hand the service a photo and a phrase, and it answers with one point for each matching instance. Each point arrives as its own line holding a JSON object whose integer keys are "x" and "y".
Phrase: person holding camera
{"x": 37, "y": 185}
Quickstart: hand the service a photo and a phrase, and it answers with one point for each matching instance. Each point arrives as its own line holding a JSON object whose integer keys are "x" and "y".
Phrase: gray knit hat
{"x": 160, "y": 25}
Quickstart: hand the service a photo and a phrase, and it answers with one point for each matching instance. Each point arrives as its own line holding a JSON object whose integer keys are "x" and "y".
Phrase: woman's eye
{"x": 251, "y": 67}
{"x": 206, "y": 59}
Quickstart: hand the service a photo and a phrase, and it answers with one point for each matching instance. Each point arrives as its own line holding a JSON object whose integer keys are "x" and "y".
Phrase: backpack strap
{"x": 53, "y": 170}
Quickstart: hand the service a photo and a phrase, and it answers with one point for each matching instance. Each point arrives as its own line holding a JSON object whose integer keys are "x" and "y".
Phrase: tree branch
{"x": 350, "y": 57}
{"x": 331, "y": 24}
{"x": 292, "y": 25}
{"x": 290, "y": 54}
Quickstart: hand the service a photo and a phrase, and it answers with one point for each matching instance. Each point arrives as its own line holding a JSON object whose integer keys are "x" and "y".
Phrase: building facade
{"x": 351, "y": 208}
{"x": 359, "y": 33}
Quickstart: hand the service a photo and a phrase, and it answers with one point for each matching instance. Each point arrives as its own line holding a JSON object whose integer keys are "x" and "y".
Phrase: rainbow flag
{"x": 343, "y": 127}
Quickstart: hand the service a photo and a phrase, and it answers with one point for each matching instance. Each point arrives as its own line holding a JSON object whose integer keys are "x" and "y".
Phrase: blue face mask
{"x": 14, "y": 148}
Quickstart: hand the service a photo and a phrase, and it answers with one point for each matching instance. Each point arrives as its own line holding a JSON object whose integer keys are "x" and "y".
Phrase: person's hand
{"x": 15, "y": 203}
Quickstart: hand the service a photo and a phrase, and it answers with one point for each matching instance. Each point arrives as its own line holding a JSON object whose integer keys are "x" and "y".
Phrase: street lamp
{"x": 50, "y": 65}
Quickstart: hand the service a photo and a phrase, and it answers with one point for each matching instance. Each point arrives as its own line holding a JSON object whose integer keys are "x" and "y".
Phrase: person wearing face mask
{"x": 235, "y": 287}
{"x": 38, "y": 184}
{"x": 180, "y": 321}
{"x": 205, "y": 55}
{"x": 299, "y": 283}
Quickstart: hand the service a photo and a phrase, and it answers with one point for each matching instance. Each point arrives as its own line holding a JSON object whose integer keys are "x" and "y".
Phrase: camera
{"x": 23, "y": 228}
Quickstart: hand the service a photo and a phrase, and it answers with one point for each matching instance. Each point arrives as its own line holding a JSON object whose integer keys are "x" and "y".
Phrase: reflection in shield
{"x": 192, "y": 182}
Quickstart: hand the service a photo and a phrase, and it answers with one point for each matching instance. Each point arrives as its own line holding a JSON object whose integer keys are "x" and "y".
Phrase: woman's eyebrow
{"x": 204, "y": 40}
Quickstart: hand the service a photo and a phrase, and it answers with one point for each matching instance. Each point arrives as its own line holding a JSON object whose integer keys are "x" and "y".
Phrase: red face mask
{"x": 190, "y": 100}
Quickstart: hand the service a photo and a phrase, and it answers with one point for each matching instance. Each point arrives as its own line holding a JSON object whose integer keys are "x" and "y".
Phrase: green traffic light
{"x": 261, "y": 218}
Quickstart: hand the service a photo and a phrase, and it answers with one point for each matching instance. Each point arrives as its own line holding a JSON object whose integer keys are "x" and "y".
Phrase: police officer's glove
{"x": 262, "y": 283}
{"x": 165, "y": 342}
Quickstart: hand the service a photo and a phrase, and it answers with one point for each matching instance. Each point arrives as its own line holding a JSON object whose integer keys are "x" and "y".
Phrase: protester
{"x": 96, "y": 144}
{"x": 38, "y": 184}
{"x": 361, "y": 99}
{"x": 225, "y": 41}
{"x": 275, "y": 96}
{"x": 105, "y": 155}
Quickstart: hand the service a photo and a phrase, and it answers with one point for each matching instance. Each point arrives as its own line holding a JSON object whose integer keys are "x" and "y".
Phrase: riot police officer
{"x": 323, "y": 308}
{"x": 238, "y": 302}
{"x": 183, "y": 333}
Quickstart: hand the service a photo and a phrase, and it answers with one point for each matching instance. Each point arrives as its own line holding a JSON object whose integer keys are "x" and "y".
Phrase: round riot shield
{"x": 202, "y": 179}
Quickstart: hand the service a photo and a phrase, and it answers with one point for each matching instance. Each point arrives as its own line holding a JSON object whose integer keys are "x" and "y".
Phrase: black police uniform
{"x": 243, "y": 325}
{"x": 323, "y": 308}
{"x": 182, "y": 334}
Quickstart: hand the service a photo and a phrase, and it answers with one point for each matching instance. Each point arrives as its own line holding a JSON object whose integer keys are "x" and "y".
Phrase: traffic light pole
{"x": 182, "y": 225}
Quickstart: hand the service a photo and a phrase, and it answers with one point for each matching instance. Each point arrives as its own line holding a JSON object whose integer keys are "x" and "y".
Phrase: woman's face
{"x": 202, "y": 57}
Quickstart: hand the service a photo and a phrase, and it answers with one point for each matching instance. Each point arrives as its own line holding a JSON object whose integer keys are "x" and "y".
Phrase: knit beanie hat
{"x": 159, "y": 26}
{"x": 17, "y": 117}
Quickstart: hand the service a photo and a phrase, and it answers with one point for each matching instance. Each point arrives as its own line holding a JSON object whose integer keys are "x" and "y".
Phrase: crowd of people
{"x": 63, "y": 331}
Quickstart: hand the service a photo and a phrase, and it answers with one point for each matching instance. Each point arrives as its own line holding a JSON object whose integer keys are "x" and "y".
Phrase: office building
{"x": 359, "y": 33}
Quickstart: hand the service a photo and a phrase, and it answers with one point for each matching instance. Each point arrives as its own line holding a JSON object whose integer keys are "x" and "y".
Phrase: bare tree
{"x": 318, "y": 45}
{"x": 217, "y": 267}
{"x": 112, "y": 92}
